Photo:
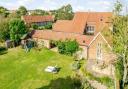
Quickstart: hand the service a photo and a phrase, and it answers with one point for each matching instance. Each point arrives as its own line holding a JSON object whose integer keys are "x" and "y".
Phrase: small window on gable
{"x": 101, "y": 19}
{"x": 83, "y": 41}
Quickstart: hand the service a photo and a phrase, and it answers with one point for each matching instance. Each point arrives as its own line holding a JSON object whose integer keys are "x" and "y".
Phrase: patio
{"x": 100, "y": 69}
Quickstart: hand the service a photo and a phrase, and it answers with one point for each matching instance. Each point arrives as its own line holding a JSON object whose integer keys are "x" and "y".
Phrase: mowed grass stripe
{"x": 21, "y": 70}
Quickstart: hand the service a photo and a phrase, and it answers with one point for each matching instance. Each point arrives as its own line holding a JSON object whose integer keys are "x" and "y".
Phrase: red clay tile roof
{"x": 63, "y": 26}
{"x": 52, "y": 35}
{"x": 74, "y": 29}
{"x": 32, "y": 19}
{"x": 81, "y": 19}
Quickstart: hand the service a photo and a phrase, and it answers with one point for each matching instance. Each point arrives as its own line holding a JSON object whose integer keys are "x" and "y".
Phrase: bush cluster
{"x": 47, "y": 26}
{"x": 103, "y": 80}
{"x": 68, "y": 47}
{"x": 76, "y": 65}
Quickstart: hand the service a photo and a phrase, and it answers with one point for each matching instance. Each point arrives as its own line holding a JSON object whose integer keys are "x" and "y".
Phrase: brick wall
{"x": 107, "y": 55}
{"x": 84, "y": 52}
{"x": 42, "y": 42}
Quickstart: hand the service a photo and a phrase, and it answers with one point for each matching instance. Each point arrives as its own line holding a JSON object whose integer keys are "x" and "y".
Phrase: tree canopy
{"x": 64, "y": 13}
{"x": 17, "y": 29}
{"x": 4, "y": 29}
{"x": 68, "y": 47}
{"x": 3, "y": 11}
{"x": 22, "y": 10}
{"x": 39, "y": 12}
{"x": 120, "y": 43}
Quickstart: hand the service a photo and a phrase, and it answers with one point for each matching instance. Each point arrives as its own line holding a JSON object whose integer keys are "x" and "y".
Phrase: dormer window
{"x": 90, "y": 30}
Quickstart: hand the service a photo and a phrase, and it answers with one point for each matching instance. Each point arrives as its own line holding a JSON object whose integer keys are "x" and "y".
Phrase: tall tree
{"x": 3, "y": 11}
{"x": 22, "y": 10}
{"x": 65, "y": 12}
{"x": 17, "y": 29}
{"x": 14, "y": 15}
{"x": 39, "y": 12}
{"x": 120, "y": 42}
{"x": 118, "y": 8}
{"x": 4, "y": 29}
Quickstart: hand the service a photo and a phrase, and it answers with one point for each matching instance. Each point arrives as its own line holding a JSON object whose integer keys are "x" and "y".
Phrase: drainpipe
{"x": 87, "y": 55}
{"x": 87, "y": 52}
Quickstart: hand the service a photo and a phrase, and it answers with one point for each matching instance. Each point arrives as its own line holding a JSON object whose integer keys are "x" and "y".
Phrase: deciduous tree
{"x": 64, "y": 13}
{"x": 4, "y": 29}
{"x": 22, "y": 10}
{"x": 4, "y": 12}
{"x": 120, "y": 41}
{"x": 39, "y": 12}
{"x": 17, "y": 29}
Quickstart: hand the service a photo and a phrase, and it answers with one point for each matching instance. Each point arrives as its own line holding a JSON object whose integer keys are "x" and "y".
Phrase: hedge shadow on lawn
{"x": 63, "y": 83}
{"x": 3, "y": 51}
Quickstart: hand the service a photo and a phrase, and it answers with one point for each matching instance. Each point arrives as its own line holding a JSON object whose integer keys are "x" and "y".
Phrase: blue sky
{"x": 78, "y": 5}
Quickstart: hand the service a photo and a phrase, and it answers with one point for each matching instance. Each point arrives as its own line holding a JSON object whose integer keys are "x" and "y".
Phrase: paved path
{"x": 96, "y": 84}
{"x": 96, "y": 70}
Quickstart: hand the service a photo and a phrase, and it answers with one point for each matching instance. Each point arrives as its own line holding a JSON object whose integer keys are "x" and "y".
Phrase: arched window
{"x": 99, "y": 51}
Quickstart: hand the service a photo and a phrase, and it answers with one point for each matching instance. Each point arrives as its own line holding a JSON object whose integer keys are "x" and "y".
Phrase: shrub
{"x": 41, "y": 27}
{"x": 34, "y": 26}
{"x": 76, "y": 65}
{"x": 67, "y": 47}
{"x": 86, "y": 85}
{"x": 61, "y": 47}
{"x": 103, "y": 80}
{"x": 106, "y": 80}
{"x": 48, "y": 26}
{"x": 119, "y": 69}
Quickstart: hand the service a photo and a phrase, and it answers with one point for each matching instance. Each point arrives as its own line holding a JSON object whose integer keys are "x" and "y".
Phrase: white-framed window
{"x": 90, "y": 29}
{"x": 99, "y": 51}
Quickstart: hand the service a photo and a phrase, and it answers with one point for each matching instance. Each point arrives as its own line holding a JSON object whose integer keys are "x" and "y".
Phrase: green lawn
{"x": 20, "y": 70}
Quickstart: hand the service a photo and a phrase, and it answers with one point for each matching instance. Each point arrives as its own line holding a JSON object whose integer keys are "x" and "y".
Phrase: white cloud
{"x": 101, "y": 5}
{"x": 48, "y": 5}
{"x": 78, "y": 5}
{"x": 79, "y": 8}
{"x": 93, "y": 5}
{"x": 20, "y": 3}
{"x": 24, "y": 2}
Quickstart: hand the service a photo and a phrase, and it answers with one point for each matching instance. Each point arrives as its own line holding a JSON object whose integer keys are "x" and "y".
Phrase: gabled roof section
{"x": 63, "y": 26}
{"x": 97, "y": 16}
{"x": 102, "y": 38}
{"x": 33, "y": 19}
{"x": 76, "y": 25}
{"x": 80, "y": 21}
{"x": 100, "y": 20}
{"x": 83, "y": 40}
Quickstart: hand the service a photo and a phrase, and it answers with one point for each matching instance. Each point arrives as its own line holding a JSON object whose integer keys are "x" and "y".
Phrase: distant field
{"x": 20, "y": 70}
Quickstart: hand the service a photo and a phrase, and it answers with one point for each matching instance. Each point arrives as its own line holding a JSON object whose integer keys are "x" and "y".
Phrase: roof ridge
{"x": 88, "y": 16}
{"x": 93, "y": 12}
